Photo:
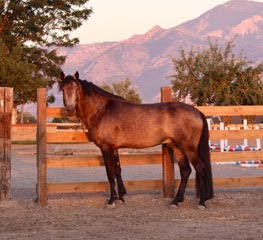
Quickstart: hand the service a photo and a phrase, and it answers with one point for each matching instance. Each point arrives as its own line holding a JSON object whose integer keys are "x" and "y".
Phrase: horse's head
{"x": 70, "y": 87}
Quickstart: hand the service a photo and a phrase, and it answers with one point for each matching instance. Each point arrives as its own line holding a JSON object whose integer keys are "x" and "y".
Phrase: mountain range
{"x": 146, "y": 59}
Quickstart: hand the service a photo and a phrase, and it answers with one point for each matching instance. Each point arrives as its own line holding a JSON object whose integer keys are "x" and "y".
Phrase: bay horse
{"x": 114, "y": 123}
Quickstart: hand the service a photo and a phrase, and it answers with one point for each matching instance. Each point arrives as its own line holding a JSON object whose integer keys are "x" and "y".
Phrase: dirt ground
{"x": 232, "y": 214}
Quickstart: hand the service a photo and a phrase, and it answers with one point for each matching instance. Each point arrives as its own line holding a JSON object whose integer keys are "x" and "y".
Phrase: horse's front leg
{"x": 109, "y": 161}
{"x": 121, "y": 187}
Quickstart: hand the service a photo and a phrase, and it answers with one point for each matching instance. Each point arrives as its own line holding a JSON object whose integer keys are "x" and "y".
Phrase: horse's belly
{"x": 140, "y": 139}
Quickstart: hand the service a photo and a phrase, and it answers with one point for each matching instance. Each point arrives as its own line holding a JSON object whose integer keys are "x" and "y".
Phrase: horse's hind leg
{"x": 121, "y": 187}
{"x": 200, "y": 173}
{"x": 185, "y": 171}
{"x": 108, "y": 156}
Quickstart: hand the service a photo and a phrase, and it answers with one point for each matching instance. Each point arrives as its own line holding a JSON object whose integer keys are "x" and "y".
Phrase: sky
{"x": 116, "y": 20}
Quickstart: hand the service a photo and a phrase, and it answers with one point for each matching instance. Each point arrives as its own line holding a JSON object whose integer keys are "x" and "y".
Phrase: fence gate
{"x": 6, "y": 104}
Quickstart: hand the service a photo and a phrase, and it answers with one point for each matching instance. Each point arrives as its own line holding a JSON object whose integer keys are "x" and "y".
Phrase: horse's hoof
{"x": 173, "y": 205}
{"x": 121, "y": 200}
{"x": 201, "y": 207}
{"x": 111, "y": 205}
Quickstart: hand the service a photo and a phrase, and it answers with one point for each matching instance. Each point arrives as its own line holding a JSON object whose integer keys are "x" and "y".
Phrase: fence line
{"x": 168, "y": 183}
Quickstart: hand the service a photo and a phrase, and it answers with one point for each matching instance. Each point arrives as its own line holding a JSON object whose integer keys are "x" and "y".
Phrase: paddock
{"x": 236, "y": 212}
{"x": 168, "y": 182}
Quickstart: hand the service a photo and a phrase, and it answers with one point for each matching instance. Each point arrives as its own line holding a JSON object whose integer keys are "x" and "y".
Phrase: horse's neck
{"x": 91, "y": 107}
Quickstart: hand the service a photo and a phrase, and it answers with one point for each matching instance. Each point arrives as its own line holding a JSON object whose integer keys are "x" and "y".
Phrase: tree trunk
{"x": 22, "y": 114}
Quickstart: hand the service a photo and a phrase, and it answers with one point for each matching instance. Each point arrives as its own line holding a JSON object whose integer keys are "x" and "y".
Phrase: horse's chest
{"x": 100, "y": 135}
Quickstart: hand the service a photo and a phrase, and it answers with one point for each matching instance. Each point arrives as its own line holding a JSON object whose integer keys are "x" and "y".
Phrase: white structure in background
{"x": 245, "y": 128}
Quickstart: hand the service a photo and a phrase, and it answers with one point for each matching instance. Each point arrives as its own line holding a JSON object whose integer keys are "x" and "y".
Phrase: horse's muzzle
{"x": 71, "y": 111}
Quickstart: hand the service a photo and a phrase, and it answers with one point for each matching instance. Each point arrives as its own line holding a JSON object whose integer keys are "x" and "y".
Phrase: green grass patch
{"x": 28, "y": 142}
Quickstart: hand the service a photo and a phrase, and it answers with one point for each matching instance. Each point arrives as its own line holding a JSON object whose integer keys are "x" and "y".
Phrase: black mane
{"x": 89, "y": 86}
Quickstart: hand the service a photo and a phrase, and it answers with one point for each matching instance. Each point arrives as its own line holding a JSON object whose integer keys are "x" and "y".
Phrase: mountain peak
{"x": 145, "y": 37}
{"x": 224, "y": 17}
{"x": 233, "y": 3}
{"x": 154, "y": 30}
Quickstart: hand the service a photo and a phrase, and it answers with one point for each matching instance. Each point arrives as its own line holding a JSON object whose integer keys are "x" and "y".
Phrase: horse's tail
{"x": 204, "y": 154}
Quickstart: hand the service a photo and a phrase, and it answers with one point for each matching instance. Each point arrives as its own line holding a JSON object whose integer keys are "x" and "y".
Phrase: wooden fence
{"x": 168, "y": 183}
{"x": 6, "y": 104}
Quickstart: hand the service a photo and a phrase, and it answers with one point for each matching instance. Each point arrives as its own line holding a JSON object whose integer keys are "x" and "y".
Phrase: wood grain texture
{"x": 41, "y": 147}
{"x": 6, "y": 105}
{"x": 74, "y": 187}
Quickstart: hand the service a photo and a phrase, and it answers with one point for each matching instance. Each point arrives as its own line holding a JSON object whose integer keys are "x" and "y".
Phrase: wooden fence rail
{"x": 168, "y": 183}
{"x": 214, "y": 135}
{"x": 143, "y": 159}
{"x": 256, "y": 110}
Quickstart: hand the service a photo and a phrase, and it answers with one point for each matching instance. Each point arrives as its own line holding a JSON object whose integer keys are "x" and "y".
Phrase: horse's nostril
{"x": 71, "y": 110}
{"x": 70, "y": 107}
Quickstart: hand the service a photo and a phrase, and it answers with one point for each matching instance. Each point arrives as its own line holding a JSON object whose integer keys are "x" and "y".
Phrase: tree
{"x": 27, "y": 117}
{"x": 123, "y": 89}
{"x": 216, "y": 76}
{"x": 19, "y": 74}
{"x": 64, "y": 120}
{"x": 30, "y": 32}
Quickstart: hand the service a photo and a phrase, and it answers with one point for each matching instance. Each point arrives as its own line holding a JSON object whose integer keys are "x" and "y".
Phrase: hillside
{"x": 146, "y": 59}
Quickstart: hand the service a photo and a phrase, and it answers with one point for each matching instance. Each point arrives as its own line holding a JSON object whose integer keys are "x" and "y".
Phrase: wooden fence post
{"x": 167, "y": 164}
{"x": 41, "y": 147}
{"x": 6, "y": 105}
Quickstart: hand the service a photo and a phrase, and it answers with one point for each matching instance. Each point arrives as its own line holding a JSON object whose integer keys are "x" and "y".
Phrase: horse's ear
{"x": 76, "y": 75}
{"x": 62, "y": 75}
